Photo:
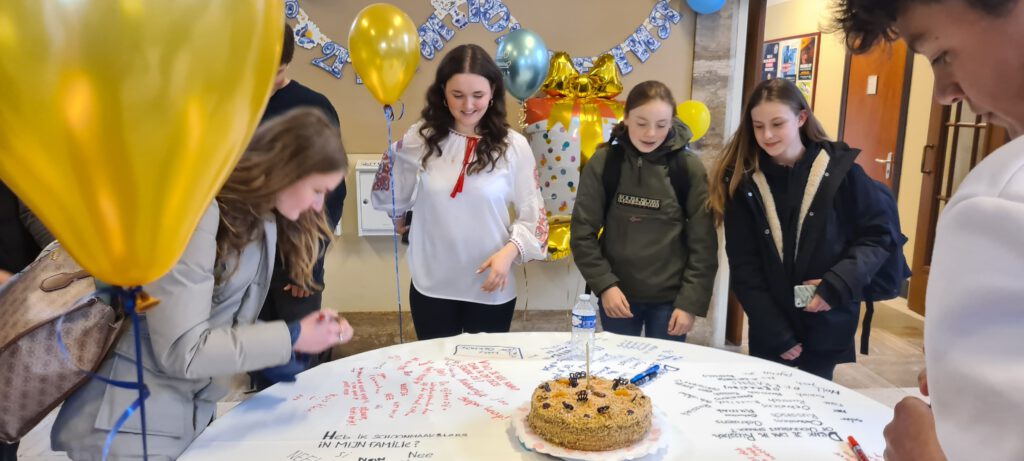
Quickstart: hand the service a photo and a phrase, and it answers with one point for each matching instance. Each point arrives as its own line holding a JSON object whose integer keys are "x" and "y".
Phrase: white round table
{"x": 452, "y": 399}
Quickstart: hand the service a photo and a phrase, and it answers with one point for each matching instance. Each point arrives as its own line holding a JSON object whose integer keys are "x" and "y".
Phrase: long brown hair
{"x": 740, "y": 156}
{"x": 642, "y": 93}
{"x": 284, "y": 150}
{"x": 438, "y": 119}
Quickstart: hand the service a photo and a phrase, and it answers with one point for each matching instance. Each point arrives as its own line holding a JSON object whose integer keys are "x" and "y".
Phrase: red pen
{"x": 857, "y": 450}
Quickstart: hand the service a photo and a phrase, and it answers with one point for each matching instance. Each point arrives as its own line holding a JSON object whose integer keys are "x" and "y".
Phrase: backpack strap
{"x": 611, "y": 175}
{"x": 865, "y": 333}
{"x": 680, "y": 178}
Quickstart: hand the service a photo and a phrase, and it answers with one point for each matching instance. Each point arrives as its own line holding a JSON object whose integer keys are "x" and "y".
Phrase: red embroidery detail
{"x": 470, "y": 147}
{"x": 541, "y": 231}
{"x": 382, "y": 180}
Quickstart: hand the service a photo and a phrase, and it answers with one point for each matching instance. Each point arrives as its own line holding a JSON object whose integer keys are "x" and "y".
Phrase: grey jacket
{"x": 192, "y": 343}
{"x": 657, "y": 249}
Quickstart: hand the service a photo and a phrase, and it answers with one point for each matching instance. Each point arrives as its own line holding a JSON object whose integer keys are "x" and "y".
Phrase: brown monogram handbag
{"x": 35, "y": 376}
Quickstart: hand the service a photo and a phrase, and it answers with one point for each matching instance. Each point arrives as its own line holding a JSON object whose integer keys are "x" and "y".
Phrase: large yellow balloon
{"x": 384, "y": 48}
{"x": 120, "y": 120}
{"x": 696, "y": 116}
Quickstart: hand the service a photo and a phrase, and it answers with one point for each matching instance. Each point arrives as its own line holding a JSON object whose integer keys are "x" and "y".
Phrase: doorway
{"x": 957, "y": 141}
{"x": 873, "y": 111}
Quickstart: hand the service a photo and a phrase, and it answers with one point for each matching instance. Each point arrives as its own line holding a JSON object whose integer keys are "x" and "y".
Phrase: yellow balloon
{"x": 384, "y": 48}
{"x": 696, "y": 116}
{"x": 120, "y": 120}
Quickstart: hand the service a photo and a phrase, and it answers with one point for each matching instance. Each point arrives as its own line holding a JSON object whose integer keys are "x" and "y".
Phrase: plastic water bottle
{"x": 584, "y": 323}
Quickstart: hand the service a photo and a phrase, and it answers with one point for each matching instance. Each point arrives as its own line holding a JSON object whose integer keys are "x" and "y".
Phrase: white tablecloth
{"x": 452, "y": 398}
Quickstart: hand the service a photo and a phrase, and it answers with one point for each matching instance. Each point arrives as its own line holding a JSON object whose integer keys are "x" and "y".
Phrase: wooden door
{"x": 957, "y": 141}
{"x": 875, "y": 109}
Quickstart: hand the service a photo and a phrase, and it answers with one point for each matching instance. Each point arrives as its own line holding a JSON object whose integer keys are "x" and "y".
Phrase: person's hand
{"x": 401, "y": 226}
{"x": 910, "y": 436}
{"x": 817, "y": 304}
{"x": 793, "y": 352}
{"x": 615, "y": 304}
{"x": 319, "y": 331}
{"x": 681, "y": 322}
{"x": 922, "y": 382}
{"x": 347, "y": 332}
{"x": 5, "y": 276}
{"x": 499, "y": 263}
{"x": 296, "y": 291}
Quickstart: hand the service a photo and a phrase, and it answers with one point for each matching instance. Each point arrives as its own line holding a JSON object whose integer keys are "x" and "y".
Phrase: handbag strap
{"x": 62, "y": 280}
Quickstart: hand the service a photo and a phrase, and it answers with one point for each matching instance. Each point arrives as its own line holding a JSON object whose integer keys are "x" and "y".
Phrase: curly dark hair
{"x": 438, "y": 120}
{"x": 867, "y": 22}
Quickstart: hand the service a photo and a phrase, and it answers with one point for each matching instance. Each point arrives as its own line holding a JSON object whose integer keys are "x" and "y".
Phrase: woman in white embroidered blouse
{"x": 461, "y": 167}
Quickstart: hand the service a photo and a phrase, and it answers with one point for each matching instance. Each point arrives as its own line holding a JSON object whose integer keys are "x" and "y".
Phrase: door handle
{"x": 924, "y": 157}
{"x": 888, "y": 164}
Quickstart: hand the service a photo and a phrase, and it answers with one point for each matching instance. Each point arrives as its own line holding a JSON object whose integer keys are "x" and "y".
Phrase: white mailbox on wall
{"x": 371, "y": 221}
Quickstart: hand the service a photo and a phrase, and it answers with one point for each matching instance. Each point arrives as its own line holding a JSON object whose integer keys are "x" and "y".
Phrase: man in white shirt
{"x": 974, "y": 330}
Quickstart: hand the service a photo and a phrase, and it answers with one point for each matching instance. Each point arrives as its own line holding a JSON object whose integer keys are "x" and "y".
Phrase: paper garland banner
{"x": 493, "y": 15}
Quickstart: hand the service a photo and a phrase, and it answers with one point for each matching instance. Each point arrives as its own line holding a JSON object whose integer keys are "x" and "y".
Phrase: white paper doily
{"x": 655, "y": 440}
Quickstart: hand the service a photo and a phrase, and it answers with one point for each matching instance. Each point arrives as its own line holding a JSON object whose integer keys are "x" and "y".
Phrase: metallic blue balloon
{"x": 523, "y": 60}
{"x": 705, "y": 6}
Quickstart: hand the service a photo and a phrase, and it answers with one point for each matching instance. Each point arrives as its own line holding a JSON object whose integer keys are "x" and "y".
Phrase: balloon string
{"x": 389, "y": 116}
{"x": 127, "y": 296}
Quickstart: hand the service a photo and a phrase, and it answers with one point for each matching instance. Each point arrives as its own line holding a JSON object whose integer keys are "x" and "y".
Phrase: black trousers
{"x": 822, "y": 367}
{"x": 440, "y": 318}
{"x": 9, "y": 452}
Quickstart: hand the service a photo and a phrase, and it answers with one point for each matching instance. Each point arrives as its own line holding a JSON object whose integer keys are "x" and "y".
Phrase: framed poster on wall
{"x": 794, "y": 59}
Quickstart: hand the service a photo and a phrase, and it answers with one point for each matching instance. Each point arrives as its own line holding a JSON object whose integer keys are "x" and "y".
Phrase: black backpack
{"x": 888, "y": 281}
{"x": 677, "y": 175}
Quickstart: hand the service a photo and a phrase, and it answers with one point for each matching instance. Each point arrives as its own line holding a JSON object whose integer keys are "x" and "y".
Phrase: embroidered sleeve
{"x": 399, "y": 168}
{"x": 529, "y": 232}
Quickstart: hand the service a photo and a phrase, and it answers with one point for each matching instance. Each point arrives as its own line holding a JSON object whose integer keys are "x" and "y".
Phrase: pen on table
{"x": 857, "y": 450}
{"x": 646, "y": 375}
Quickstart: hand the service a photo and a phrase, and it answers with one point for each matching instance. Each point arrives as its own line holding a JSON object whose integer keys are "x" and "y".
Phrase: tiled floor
{"x": 887, "y": 374}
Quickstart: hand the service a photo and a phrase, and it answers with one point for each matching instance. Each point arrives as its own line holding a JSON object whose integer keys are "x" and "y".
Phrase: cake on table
{"x": 592, "y": 414}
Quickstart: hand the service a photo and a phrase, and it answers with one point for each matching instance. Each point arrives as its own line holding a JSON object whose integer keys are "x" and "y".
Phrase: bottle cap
{"x": 584, "y": 297}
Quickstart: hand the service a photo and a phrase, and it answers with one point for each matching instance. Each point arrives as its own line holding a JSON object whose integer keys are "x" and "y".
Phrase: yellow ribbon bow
{"x": 565, "y": 81}
{"x": 585, "y": 96}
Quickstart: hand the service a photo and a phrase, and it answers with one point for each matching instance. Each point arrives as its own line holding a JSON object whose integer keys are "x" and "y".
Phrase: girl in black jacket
{"x": 797, "y": 212}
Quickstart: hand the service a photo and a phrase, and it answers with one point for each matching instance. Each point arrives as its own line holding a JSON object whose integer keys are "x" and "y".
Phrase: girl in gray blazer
{"x": 204, "y": 330}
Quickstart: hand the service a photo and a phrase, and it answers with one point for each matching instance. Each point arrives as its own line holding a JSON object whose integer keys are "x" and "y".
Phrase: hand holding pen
{"x": 857, "y": 450}
{"x": 322, "y": 330}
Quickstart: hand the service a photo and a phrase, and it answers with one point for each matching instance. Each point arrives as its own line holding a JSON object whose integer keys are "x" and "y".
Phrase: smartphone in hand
{"x": 802, "y": 295}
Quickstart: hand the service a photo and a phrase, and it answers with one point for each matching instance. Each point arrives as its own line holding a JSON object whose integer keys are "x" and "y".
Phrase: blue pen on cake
{"x": 646, "y": 375}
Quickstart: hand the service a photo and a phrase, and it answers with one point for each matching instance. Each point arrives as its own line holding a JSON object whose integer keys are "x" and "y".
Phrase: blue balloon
{"x": 523, "y": 59}
{"x": 705, "y": 6}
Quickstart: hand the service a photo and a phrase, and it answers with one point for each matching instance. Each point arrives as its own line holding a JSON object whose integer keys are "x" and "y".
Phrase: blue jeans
{"x": 651, "y": 318}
